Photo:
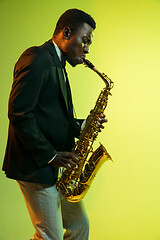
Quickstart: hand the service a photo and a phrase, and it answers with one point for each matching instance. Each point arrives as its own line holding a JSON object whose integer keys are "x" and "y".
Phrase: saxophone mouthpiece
{"x": 87, "y": 63}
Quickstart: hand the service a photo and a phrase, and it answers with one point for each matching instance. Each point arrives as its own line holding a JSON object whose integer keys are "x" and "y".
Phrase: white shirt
{"x": 59, "y": 53}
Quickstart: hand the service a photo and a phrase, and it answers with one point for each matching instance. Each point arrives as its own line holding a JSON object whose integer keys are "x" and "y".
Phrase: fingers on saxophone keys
{"x": 72, "y": 156}
{"x": 71, "y": 161}
{"x": 67, "y": 166}
{"x": 70, "y": 165}
{"x": 100, "y": 122}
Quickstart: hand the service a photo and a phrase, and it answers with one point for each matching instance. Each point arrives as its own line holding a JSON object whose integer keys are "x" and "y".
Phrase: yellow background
{"x": 124, "y": 201}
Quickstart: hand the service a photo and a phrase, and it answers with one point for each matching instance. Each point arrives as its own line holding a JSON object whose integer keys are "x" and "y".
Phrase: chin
{"x": 75, "y": 62}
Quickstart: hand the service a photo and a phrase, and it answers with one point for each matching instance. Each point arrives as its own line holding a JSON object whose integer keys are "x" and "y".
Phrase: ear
{"x": 67, "y": 33}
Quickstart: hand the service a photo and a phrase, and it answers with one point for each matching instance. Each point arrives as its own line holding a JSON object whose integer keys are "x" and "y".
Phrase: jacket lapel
{"x": 50, "y": 46}
{"x": 63, "y": 86}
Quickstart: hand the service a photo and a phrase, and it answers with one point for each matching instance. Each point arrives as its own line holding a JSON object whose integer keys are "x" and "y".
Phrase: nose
{"x": 86, "y": 48}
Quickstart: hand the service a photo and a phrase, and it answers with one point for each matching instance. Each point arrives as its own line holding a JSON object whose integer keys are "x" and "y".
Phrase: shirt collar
{"x": 59, "y": 53}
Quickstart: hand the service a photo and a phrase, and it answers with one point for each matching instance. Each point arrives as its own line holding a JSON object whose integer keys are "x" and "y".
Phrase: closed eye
{"x": 87, "y": 41}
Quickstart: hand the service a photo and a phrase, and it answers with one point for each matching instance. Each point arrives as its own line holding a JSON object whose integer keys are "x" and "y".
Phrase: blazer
{"x": 41, "y": 116}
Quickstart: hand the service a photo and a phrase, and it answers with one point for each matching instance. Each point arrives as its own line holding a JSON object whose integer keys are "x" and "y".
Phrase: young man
{"x": 42, "y": 127}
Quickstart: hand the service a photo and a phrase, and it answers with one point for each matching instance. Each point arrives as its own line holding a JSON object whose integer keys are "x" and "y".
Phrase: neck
{"x": 57, "y": 45}
{"x": 60, "y": 42}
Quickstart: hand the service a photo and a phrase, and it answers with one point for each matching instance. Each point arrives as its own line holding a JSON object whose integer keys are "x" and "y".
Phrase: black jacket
{"x": 41, "y": 116}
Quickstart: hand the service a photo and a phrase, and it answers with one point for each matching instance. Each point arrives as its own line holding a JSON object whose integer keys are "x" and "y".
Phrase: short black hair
{"x": 73, "y": 18}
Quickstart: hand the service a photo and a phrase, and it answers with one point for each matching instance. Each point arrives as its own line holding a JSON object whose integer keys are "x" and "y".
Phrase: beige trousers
{"x": 50, "y": 214}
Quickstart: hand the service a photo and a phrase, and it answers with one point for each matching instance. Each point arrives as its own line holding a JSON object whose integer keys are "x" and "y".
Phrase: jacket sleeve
{"x": 29, "y": 77}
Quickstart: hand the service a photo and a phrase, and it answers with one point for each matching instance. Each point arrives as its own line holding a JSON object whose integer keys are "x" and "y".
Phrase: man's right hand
{"x": 65, "y": 159}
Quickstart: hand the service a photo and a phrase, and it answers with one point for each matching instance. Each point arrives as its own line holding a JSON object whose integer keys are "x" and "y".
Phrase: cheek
{"x": 77, "y": 48}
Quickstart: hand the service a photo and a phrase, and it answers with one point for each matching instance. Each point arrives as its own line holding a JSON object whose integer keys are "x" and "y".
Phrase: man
{"x": 42, "y": 127}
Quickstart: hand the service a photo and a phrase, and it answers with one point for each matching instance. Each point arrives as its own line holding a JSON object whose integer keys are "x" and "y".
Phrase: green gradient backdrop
{"x": 124, "y": 202}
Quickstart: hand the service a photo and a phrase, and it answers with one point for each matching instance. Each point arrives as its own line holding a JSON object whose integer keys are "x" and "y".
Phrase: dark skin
{"x": 75, "y": 45}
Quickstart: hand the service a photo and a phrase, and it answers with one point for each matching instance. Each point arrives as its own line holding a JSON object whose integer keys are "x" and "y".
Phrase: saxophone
{"x": 75, "y": 183}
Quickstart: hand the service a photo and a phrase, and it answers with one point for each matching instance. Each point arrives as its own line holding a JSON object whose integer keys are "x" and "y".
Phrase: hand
{"x": 65, "y": 159}
{"x": 100, "y": 121}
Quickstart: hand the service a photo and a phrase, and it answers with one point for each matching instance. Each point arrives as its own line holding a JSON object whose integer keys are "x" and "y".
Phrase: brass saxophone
{"x": 75, "y": 183}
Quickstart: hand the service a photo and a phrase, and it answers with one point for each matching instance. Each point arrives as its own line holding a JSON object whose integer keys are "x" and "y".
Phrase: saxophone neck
{"x": 109, "y": 83}
{"x": 105, "y": 78}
